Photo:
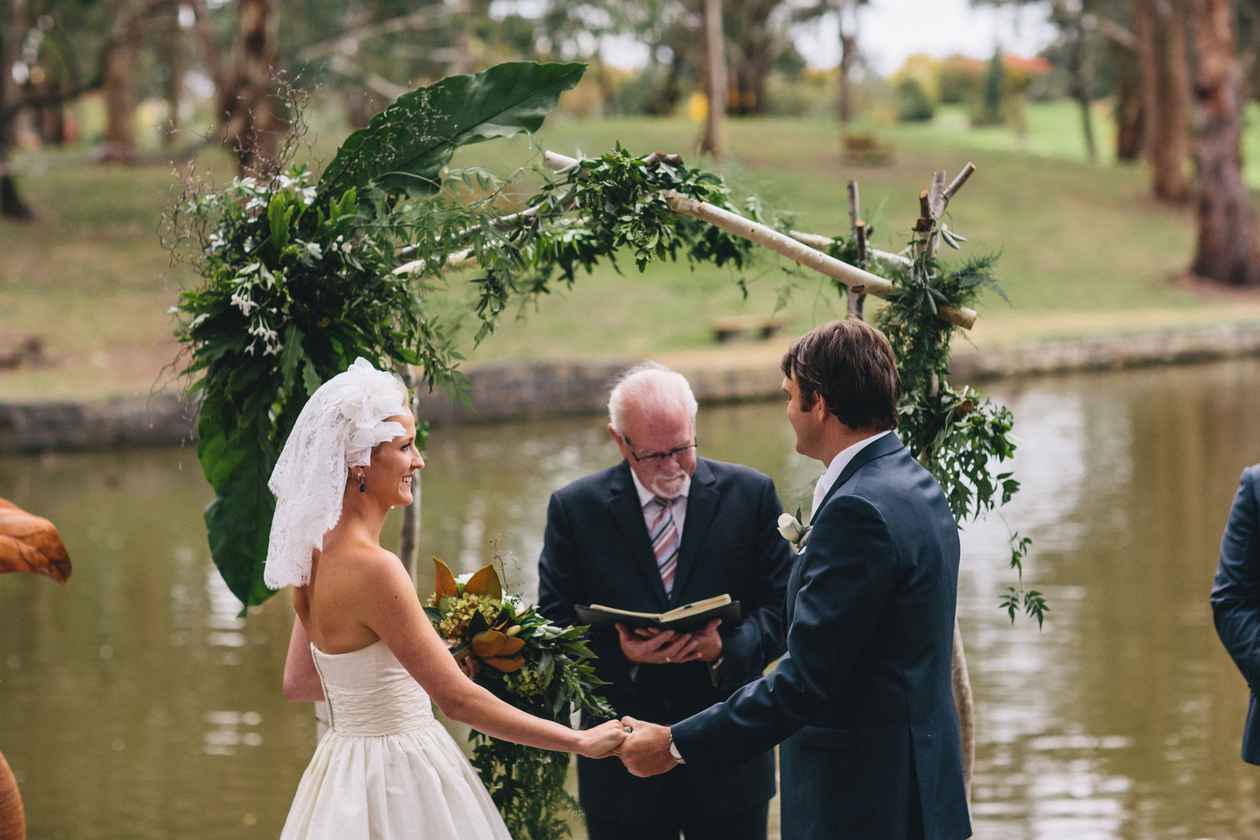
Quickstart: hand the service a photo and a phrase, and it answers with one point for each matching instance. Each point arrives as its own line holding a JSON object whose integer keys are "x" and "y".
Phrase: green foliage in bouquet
{"x": 533, "y": 664}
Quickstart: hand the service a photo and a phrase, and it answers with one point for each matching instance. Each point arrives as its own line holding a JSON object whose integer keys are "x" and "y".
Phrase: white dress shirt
{"x": 836, "y": 467}
{"x": 678, "y": 508}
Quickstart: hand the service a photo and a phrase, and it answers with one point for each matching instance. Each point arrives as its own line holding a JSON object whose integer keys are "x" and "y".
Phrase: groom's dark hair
{"x": 851, "y": 366}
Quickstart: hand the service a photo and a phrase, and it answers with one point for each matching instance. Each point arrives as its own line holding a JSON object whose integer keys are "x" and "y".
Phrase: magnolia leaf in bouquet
{"x": 485, "y": 582}
{"x": 444, "y": 585}
{"x": 508, "y": 665}
{"x": 493, "y": 643}
{"x": 30, "y": 543}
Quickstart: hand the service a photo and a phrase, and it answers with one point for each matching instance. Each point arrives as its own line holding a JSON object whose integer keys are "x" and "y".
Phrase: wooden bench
{"x": 862, "y": 149}
{"x": 733, "y": 326}
{"x": 23, "y": 352}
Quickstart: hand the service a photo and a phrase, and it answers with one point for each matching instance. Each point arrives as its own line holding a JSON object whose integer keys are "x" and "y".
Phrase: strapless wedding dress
{"x": 386, "y": 769}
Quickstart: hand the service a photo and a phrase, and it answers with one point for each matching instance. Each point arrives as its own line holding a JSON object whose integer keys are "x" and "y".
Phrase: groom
{"x": 862, "y": 701}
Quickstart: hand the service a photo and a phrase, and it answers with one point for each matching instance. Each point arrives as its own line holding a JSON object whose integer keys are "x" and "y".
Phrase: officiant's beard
{"x": 667, "y": 487}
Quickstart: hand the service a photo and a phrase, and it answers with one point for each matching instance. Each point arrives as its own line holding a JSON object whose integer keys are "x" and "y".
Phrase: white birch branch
{"x": 817, "y": 240}
{"x": 457, "y": 260}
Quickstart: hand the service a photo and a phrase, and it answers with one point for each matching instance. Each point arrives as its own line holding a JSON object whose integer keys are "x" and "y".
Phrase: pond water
{"x": 135, "y": 703}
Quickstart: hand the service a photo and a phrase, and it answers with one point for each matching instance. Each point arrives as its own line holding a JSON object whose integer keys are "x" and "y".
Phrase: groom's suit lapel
{"x": 627, "y": 514}
{"x": 702, "y": 505}
{"x": 886, "y": 445}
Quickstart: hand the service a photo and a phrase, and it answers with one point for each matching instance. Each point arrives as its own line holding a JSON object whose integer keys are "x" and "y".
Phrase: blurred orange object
{"x": 30, "y": 543}
{"x": 12, "y": 817}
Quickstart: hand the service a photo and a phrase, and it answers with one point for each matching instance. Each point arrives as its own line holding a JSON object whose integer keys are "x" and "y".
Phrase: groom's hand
{"x": 655, "y": 647}
{"x": 645, "y": 752}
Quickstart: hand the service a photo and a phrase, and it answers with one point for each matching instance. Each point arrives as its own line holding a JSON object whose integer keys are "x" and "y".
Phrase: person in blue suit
{"x": 861, "y": 702}
{"x": 1236, "y": 597}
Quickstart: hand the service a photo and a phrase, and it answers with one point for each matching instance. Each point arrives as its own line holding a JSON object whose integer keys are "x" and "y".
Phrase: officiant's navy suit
{"x": 1236, "y": 597}
{"x": 597, "y": 550}
{"x": 862, "y": 702}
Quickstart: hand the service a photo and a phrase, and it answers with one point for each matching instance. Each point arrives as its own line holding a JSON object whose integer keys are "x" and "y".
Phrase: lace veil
{"x": 337, "y": 429}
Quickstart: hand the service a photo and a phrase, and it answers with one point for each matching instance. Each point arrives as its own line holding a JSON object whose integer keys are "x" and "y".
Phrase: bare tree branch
{"x": 347, "y": 43}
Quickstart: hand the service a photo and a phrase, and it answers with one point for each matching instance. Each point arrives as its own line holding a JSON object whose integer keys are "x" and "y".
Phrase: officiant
{"x": 663, "y": 528}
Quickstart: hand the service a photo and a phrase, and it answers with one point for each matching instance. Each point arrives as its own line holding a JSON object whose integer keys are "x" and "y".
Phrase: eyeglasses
{"x": 659, "y": 457}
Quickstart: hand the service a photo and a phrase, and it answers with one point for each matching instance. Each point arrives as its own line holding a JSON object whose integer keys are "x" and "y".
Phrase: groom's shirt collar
{"x": 837, "y": 466}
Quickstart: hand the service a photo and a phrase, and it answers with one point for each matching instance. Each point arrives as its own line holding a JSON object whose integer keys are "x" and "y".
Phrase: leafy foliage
{"x": 291, "y": 293}
{"x": 405, "y": 146}
{"x": 957, "y": 435}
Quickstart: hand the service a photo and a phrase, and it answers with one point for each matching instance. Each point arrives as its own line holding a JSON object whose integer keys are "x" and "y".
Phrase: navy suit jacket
{"x": 596, "y": 550}
{"x": 863, "y": 697}
{"x": 1236, "y": 597}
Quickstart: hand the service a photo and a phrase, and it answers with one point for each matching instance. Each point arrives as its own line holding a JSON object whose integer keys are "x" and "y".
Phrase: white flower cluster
{"x": 270, "y": 339}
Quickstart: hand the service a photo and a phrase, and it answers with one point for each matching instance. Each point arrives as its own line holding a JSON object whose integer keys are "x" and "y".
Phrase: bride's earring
{"x": 362, "y": 482}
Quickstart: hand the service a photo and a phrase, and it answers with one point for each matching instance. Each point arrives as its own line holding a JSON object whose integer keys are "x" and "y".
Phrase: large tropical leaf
{"x": 30, "y": 543}
{"x": 405, "y": 146}
{"x": 237, "y": 464}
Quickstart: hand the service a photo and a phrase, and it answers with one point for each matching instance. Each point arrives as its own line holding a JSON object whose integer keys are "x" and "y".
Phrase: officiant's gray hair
{"x": 648, "y": 386}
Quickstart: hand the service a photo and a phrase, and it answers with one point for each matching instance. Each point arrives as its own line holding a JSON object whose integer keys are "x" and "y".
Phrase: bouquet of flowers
{"x": 522, "y": 658}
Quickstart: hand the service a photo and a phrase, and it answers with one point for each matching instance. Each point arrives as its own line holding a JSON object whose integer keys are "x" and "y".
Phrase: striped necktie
{"x": 665, "y": 541}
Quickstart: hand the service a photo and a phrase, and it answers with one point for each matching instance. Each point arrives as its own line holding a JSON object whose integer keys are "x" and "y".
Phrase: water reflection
{"x": 135, "y": 702}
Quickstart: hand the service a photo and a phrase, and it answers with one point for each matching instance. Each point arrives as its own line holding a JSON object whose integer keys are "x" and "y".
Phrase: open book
{"x": 682, "y": 619}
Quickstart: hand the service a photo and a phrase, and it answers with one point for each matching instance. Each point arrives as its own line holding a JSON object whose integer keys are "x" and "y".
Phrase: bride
{"x": 387, "y": 768}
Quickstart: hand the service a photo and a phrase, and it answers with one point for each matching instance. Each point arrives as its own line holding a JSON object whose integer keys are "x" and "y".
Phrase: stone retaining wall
{"x": 501, "y": 392}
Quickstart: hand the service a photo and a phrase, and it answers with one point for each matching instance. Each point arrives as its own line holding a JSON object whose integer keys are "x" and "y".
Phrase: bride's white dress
{"x": 386, "y": 769}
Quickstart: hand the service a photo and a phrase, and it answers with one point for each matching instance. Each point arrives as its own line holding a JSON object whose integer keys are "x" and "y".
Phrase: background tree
{"x": 1225, "y": 250}
{"x": 253, "y": 117}
{"x": 715, "y": 78}
{"x": 1160, "y": 38}
{"x": 120, "y": 84}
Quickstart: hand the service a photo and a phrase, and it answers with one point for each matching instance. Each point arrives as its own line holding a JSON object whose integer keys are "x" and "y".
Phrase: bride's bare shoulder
{"x": 365, "y": 562}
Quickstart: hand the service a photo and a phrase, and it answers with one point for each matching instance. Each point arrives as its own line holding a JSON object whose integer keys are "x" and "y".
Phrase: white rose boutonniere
{"x": 793, "y": 531}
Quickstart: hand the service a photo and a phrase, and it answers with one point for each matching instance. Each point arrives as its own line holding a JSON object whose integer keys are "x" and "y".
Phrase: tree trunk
{"x": 666, "y": 98}
{"x": 173, "y": 57}
{"x": 12, "y": 816}
{"x": 1129, "y": 114}
{"x": 1171, "y": 148}
{"x": 1147, "y": 50}
{"x": 253, "y": 122}
{"x": 1225, "y": 251}
{"x": 52, "y": 117}
{"x": 715, "y": 78}
{"x": 22, "y": 129}
{"x": 11, "y": 205}
{"x": 752, "y": 37}
{"x": 120, "y": 89}
{"x": 1079, "y": 68}
{"x": 359, "y": 105}
{"x": 964, "y": 703}
{"x": 848, "y": 51}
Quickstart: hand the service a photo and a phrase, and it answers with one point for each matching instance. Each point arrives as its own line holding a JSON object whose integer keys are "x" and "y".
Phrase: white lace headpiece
{"x": 337, "y": 429}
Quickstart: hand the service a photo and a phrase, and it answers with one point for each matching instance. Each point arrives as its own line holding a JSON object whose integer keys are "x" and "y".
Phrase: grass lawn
{"x": 1083, "y": 248}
